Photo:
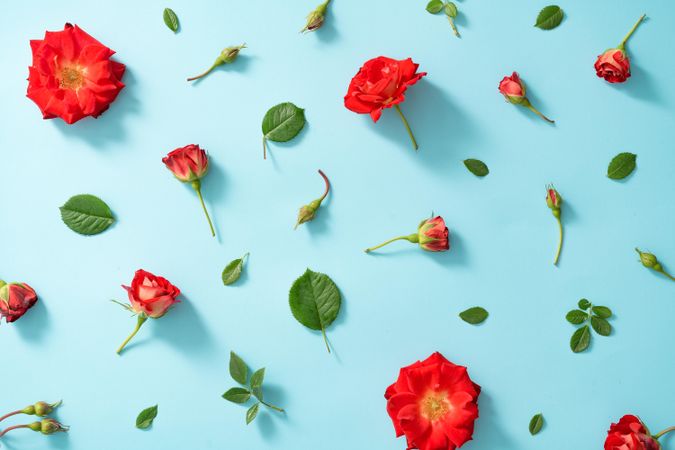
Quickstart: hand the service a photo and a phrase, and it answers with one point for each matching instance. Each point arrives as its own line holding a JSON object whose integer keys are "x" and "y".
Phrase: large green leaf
{"x": 621, "y": 166}
{"x": 171, "y": 19}
{"x": 232, "y": 271}
{"x": 238, "y": 369}
{"x": 536, "y": 423}
{"x": 315, "y": 301}
{"x": 474, "y": 315}
{"x": 146, "y": 417}
{"x": 237, "y": 395}
{"x": 602, "y": 312}
{"x": 581, "y": 339}
{"x": 601, "y": 326}
{"x": 549, "y": 17}
{"x": 435, "y": 6}
{"x": 283, "y": 122}
{"x": 86, "y": 214}
{"x": 576, "y": 317}
{"x": 476, "y": 167}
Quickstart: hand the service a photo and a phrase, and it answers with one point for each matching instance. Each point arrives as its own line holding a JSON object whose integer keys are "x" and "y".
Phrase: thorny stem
{"x": 407, "y": 127}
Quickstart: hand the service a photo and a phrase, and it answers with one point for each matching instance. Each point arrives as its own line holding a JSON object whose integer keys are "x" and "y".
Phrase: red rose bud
{"x": 227, "y": 56}
{"x": 650, "y": 261}
{"x": 381, "y": 83}
{"x": 554, "y": 202}
{"x": 513, "y": 89}
{"x": 15, "y": 300}
{"x": 72, "y": 75}
{"x": 149, "y": 296}
{"x": 631, "y": 434}
{"x": 614, "y": 64}
{"x": 308, "y": 212}
{"x": 190, "y": 164}
{"x": 434, "y": 404}
{"x": 316, "y": 18}
{"x": 432, "y": 235}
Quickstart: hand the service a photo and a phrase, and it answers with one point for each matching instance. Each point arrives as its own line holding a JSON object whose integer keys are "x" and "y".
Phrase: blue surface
{"x": 400, "y": 305}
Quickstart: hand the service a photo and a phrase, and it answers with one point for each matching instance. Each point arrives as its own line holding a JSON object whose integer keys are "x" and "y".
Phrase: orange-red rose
{"x": 151, "y": 295}
{"x": 630, "y": 434}
{"x": 72, "y": 75}
{"x": 433, "y": 235}
{"x": 15, "y": 300}
{"x": 613, "y": 66}
{"x": 434, "y": 404}
{"x": 187, "y": 163}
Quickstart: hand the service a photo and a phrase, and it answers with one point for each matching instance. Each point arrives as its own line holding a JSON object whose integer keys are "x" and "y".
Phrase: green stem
{"x": 11, "y": 414}
{"x": 454, "y": 28}
{"x": 560, "y": 242}
{"x": 139, "y": 323}
{"x": 198, "y": 187}
{"x": 622, "y": 45}
{"x": 15, "y": 427}
{"x": 407, "y": 126}
{"x": 203, "y": 74}
{"x": 276, "y": 408}
{"x": 325, "y": 339}
{"x": 666, "y": 274}
{"x": 264, "y": 147}
{"x": 410, "y": 238}
{"x": 325, "y": 179}
{"x": 667, "y": 430}
{"x": 536, "y": 111}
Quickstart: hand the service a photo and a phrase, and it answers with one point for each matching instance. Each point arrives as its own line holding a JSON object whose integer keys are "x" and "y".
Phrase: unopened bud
{"x": 229, "y": 54}
{"x": 649, "y": 260}
{"x": 316, "y": 18}
{"x": 51, "y": 426}
{"x": 43, "y": 409}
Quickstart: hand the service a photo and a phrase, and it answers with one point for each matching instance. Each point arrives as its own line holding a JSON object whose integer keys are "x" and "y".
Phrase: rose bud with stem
{"x": 513, "y": 89}
{"x": 554, "y": 202}
{"x": 308, "y": 211}
{"x": 40, "y": 409}
{"x": 316, "y": 18}
{"x": 227, "y": 56}
{"x": 45, "y": 426}
{"x": 432, "y": 235}
{"x": 650, "y": 261}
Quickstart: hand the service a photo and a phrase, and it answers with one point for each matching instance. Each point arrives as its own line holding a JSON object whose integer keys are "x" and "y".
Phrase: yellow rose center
{"x": 71, "y": 77}
{"x": 434, "y": 405}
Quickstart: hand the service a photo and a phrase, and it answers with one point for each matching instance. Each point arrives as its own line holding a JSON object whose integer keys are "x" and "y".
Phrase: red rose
{"x": 433, "y": 235}
{"x": 512, "y": 88}
{"x": 187, "y": 163}
{"x": 433, "y": 403}
{"x": 15, "y": 300}
{"x": 630, "y": 434}
{"x": 613, "y": 66}
{"x": 381, "y": 83}
{"x": 72, "y": 75}
{"x": 151, "y": 295}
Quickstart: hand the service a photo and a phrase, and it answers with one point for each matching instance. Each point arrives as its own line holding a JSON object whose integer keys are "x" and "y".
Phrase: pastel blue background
{"x": 399, "y": 305}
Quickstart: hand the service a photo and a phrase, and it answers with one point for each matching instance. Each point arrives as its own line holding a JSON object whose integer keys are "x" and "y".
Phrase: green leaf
{"x": 584, "y": 304}
{"x": 474, "y": 315}
{"x": 435, "y": 6}
{"x": 602, "y": 312}
{"x": 171, "y": 19}
{"x": 146, "y": 417}
{"x": 238, "y": 369}
{"x": 601, "y": 326}
{"x": 252, "y": 413}
{"x": 576, "y": 317}
{"x": 283, "y": 122}
{"x": 237, "y": 395}
{"x": 257, "y": 392}
{"x": 232, "y": 271}
{"x": 621, "y": 166}
{"x": 257, "y": 378}
{"x": 315, "y": 301}
{"x": 451, "y": 10}
{"x": 581, "y": 339}
{"x": 86, "y": 214}
{"x": 476, "y": 167}
{"x": 549, "y": 17}
{"x": 536, "y": 423}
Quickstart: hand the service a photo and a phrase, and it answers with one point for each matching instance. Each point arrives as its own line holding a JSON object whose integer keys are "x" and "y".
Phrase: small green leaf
{"x": 536, "y": 423}
{"x": 576, "y": 317}
{"x": 435, "y": 6}
{"x": 315, "y": 301}
{"x": 283, "y": 122}
{"x": 232, "y": 271}
{"x": 238, "y": 369}
{"x": 476, "y": 167}
{"x": 549, "y": 17}
{"x": 146, "y": 417}
{"x": 474, "y": 315}
{"x": 601, "y": 326}
{"x": 602, "y": 312}
{"x": 450, "y": 10}
{"x": 171, "y": 19}
{"x": 581, "y": 339}
{"x": 257, "y": 378}
{"x": 86, "y": 214}
{"x": 584, "y": 304}
{"x": 621, "y": 166}
{"x": 237, "y": 395}
{"x": 252, "y": 413}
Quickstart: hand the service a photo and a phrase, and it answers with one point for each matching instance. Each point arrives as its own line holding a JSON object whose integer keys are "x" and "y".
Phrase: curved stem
{"x": 203, "y": 74}
{"x": 661, "y": 271}
{"x": 661, "y": 433}
{"x": 407, "y": 126}
{"x": 454, "y": 28}
{"x": 198, "y": 187}
{"x": 264, "y": 147}
{"x": 325, "y": 339}
{"x": 622, "y": 45}
{"x": 139, "y": 323}
{"x": 325, "y": 179}
{"x": 276, "y": 408}
{"x": 536, "y": 111}
{"x": 13, "y": 413}
{"x": 407, "y": 238}
{"x": 560, "y": 242}
{"x": 15, "y": 427}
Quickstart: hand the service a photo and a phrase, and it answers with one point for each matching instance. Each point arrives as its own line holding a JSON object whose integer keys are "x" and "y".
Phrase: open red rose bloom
{"x": 381, "y": 83}
{"x": 613, "y": 66}
{"x": 630, "y": 434}
{"x": 433, "y": 403}
{"x": 72, "y": 75}
{"x": 151, "y": 295}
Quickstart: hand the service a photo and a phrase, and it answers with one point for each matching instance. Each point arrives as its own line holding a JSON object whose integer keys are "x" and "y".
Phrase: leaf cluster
{"x": 587, "y": 314}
